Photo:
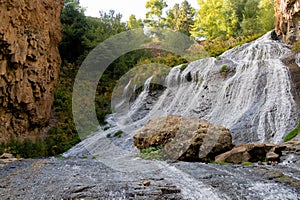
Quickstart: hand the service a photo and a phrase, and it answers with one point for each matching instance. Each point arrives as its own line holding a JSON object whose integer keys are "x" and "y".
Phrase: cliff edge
{"x": 30, "y": 33}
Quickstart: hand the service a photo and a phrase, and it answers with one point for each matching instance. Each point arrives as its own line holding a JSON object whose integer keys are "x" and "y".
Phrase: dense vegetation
{"x": 218, "y": 25}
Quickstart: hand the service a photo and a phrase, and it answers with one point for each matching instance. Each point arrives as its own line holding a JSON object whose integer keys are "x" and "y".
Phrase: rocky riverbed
{"x": 87, "y": 178}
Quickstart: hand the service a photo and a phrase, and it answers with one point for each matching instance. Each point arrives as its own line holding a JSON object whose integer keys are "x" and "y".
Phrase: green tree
{"x": 134, "y": 23}
{"x": 266, "y": 15}
{"x": 74, "y": 26}
{"x": 250, "y": 24}
{"x": 181, "y": 17}
{"x": 172, "y": 16}
{"x": 211, "y": 21}
{"x": 154, "y": 14}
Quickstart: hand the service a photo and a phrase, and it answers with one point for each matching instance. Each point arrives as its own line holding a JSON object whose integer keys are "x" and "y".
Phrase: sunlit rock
{"x": 184, "y": 138}
{"x": 29, "y": 63}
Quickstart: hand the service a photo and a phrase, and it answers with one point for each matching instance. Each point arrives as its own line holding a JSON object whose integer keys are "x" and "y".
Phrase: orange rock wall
{"x": 30, "y": 33}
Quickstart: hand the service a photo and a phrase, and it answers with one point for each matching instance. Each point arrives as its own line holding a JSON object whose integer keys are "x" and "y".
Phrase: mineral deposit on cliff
{"x": 29, "y": 63}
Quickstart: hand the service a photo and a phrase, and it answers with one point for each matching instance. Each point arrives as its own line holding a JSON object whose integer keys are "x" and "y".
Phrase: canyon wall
{"x": 30, "y": 33}
{"x": 288, "y": 20}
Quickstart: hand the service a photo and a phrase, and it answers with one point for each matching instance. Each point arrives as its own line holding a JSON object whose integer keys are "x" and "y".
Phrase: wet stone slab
{"x": 79, "y": 179}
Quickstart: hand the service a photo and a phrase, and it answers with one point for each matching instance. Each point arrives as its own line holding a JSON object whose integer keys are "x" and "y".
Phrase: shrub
{"x": 106, "y": 128}
{"x": 293, "y": 133}
{"x": 118, "y": 133}
{"x": 224, "y": 68}
{"x": 183, "y": 67}
{"x": 25, "y": 148}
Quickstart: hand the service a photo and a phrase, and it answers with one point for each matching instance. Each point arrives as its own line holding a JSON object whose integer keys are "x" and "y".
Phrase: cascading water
{"x": 247, "y": 89}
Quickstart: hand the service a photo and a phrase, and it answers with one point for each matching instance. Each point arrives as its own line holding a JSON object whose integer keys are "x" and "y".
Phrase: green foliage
{"x": 134, "y": 23}
{"x": 233, "y": 18}
{"x": 25, "y": 148}
{"x": 246, "y": 163}
{"x": 108, "y": 135}
{"x": 181, "y": 17}
{"x": 154, "y": 14}
{"x": 218, "y": 46}
{"x": 296, "y": 47}
{"x": 266, "y": 15}
{"x": 74, "y": 25}
{"x": 183, "y": 67}
{"x": 152, "y": 153}
{"x": 293, "y": 133}
{"x": 224, "y": 68}
{"x": 220, "y": 163}
{"x": 106, "y": 128}
{"x": 118, "y": 134}
{"x": 211, "y": 20}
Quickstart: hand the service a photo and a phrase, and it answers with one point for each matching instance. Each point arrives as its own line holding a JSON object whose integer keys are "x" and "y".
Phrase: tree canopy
{"x": 232, "y": 18}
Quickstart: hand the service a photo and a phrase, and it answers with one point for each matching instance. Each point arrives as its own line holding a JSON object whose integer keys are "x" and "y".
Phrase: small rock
{"x": 272, "y": 156}
{"x": 146, "y": 183}
{"x": 6, "y": 156}
{"x": 259, "y": 162}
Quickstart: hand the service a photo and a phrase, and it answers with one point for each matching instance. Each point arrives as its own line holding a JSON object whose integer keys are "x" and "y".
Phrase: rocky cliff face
{"x": 288, "y": 19}
{"x": 29, "y": 62}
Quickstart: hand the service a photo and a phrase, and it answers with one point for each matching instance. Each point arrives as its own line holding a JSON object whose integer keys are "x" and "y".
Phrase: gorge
{"x": 252, "y": 90}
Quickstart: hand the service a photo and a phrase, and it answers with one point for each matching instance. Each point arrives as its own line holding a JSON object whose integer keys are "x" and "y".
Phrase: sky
{"x": 125, "y": 7}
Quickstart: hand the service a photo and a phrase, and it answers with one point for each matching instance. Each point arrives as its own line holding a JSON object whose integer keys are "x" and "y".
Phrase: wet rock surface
{"x": 79, "y": 179}
{"x": 56, "y": 178}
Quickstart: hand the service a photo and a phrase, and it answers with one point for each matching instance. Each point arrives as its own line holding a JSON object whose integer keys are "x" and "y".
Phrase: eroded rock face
{"x": 184, "y": 138}
{"x": 288, "y": 20}
{"x": 29, "y": 63}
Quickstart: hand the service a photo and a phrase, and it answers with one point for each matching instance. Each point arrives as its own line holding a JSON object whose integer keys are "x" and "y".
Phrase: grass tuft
{"x": 183, "y": 67}
{"x": 293, "y": 133}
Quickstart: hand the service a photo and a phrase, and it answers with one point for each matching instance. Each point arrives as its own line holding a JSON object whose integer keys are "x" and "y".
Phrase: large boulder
{"x": 184, "y": 138}
{"x": 251, "y": 153}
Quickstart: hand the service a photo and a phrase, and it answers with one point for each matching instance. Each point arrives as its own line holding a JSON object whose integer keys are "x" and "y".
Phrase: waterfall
{"x": 247, "y": 89}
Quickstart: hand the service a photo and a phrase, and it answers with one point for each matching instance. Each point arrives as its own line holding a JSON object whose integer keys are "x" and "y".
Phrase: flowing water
{"x": 247, "y": 89}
